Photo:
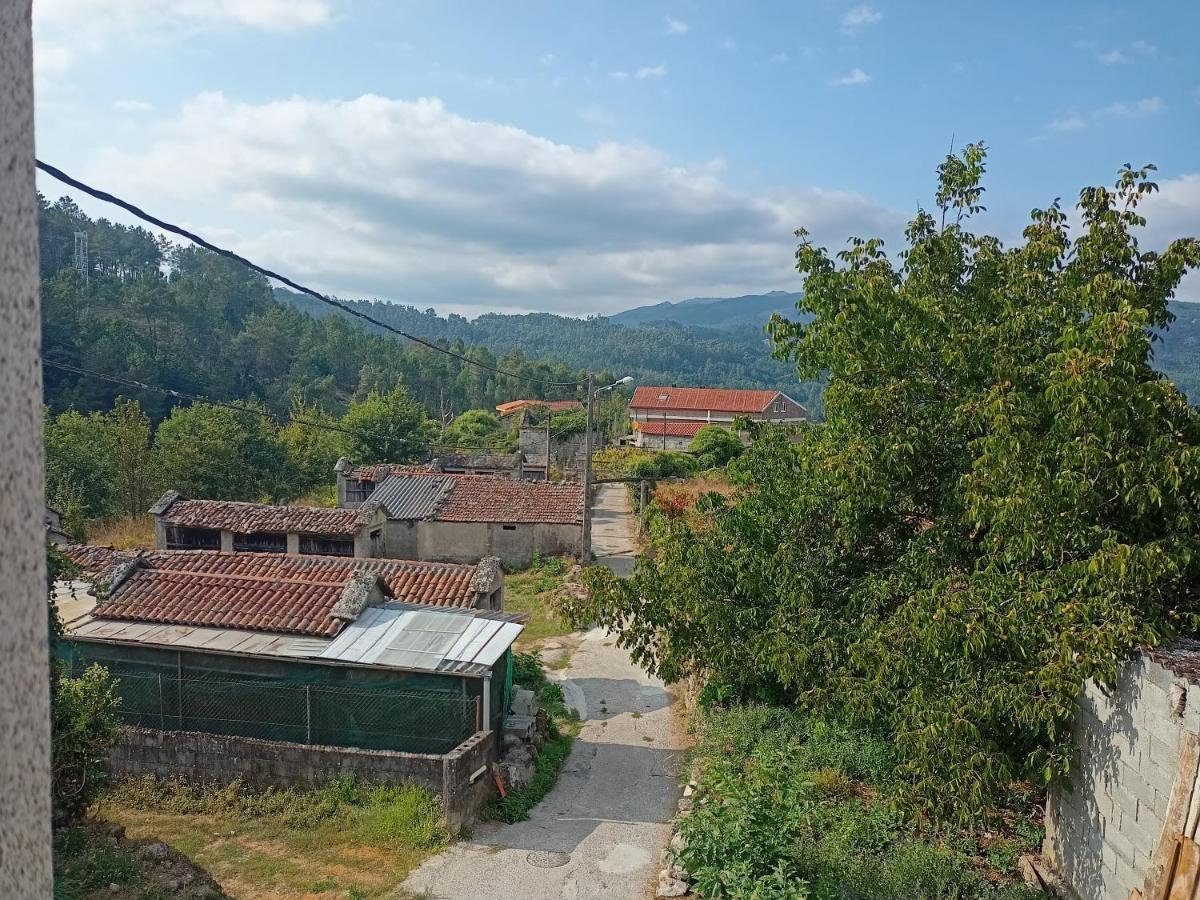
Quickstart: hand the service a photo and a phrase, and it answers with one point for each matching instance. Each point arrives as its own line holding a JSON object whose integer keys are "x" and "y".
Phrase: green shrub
{"x": 83, "y": 714}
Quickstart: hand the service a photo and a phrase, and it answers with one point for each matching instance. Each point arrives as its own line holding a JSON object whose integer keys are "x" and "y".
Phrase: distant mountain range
{"x": 705, "y": 341}
{"x": 714, "y": 312}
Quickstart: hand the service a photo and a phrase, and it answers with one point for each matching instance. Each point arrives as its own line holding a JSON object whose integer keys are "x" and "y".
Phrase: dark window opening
{"x": 377, "y": 542}
{"x": 179, "y": 538}
{"x": 358, "y": 490}
{"x": 322, "y": 546}
{"x": 509, "y": 527}
{"x": 260, "y": 542}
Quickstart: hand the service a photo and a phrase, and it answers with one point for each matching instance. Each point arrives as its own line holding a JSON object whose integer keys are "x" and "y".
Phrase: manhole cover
{"x": 548, "y": 859}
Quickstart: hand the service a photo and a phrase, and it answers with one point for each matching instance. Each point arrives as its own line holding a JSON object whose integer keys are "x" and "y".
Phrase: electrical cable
{"x": 62, "y": 176}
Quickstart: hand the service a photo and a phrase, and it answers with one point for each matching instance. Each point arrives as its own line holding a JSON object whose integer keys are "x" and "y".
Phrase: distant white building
{"x": 668, "y": 418}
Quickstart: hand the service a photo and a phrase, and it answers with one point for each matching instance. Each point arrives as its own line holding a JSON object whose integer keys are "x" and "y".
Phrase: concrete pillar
{"x": 25, "y": 865}
{"x": 293, "y": 542}
{"x": 226, "y": 541}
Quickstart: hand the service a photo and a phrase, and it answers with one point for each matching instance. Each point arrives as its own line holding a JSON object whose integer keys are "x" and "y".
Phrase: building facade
{"x": 667, "y": 418}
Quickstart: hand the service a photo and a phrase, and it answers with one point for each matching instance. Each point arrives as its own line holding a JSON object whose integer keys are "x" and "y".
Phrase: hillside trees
{"x": 1003, "y": 501}
{"x": 388, "y": 427}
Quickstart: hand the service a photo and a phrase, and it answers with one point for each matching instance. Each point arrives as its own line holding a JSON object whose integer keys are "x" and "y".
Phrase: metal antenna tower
{"x": 80, "y": 258}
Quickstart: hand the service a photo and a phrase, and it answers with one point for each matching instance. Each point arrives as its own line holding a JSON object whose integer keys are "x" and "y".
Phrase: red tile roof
{"x": 378, "y": 472}
{"x": 478, "y": 498}
{"x": 553, "y": 405}
{"x": 270, "y": 592}
{"x": 246, "y": 518}
{"x": 671, "y": 429}
{"x": 95, "y": 561}
{"x": 702, "y": 399}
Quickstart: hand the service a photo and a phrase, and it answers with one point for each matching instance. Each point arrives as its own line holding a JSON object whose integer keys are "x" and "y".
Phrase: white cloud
{"x": 675, "y": 26}
{"x": 1133, "y": 109}
{"x": 652, "y": 71}
{"x": 1174, "y": 212}
{"x": 132, "y": 105}
{"x": 408, "y": 201}
{"x": 64, "y": 30}
{"x": 547, "y": 60}
{"x": 778, "y": 59}
{"x": 860, "y": 17}
{"x": 1069, "y": 123}
{"x": 1114, "y": 56}
{"x": 855, "y": 76}
{"x": 619, "y": 76}
{"x": 593, "y": 115}
{"x": 1145, "y": 48}
{"x": 1111, "y": 57}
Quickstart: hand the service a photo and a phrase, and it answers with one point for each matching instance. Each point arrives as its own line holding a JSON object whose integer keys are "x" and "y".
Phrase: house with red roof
{"x": 668, "y": 418}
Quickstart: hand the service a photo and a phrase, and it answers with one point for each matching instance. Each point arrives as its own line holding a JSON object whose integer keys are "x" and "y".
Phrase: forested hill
{"x": 654, "y": 352}
{"x": 211, "y": 327}
{"x": 714, "y": 312}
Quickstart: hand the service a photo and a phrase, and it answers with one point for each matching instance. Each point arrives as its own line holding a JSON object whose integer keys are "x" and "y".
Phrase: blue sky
{"x": 586, "y": 157}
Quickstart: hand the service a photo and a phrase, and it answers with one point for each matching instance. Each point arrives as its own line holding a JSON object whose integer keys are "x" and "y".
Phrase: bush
{"x": 713, "y": 446}
{"x": 83, "y": 727}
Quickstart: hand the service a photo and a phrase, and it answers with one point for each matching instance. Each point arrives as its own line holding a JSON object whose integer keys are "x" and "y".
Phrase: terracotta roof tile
{"x": 553, "y": 405}
{"x": 95, "y": 561}
{"x": 716, "y": 399}
{"x": 246, "y": 518}
{"x": 270, "y": 592}
{"x": 481, "y": 499}
{"x": 671, "y": 429}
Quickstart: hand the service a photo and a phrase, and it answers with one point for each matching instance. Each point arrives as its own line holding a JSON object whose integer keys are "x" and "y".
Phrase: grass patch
{"x": 341, "y": 841}
{"x": 529, "y": 591}
{"x": 564, "y": 726}
{"x": 794, "y": 807}
{"x": 123, "y": 533}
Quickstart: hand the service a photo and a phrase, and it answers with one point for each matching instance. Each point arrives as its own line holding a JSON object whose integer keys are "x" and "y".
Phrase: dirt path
{"x": 599, "y": 831}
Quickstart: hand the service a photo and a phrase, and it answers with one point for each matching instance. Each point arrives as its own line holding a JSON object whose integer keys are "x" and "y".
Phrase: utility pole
{"x": 585, "y": 549}
{"x": 80, "y": 258}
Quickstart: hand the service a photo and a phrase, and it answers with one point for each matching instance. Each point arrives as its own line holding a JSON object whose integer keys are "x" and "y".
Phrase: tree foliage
{"x": 1003, "y": 501}
{"x": 387, "y": 427}
{"x": 714, "y": 446}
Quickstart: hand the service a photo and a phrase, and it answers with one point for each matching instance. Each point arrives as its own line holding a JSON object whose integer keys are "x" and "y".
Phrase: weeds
{"x": 794, "y": 807}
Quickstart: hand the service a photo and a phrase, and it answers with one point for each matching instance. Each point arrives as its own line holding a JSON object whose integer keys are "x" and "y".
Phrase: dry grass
{"x": 124, "y": 533}
{"x": 529, "y": 591}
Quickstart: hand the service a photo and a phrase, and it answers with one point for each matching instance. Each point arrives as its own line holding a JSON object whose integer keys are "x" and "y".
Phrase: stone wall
{"x": 1102, "y": 834}
{"x": 209, "y": 758}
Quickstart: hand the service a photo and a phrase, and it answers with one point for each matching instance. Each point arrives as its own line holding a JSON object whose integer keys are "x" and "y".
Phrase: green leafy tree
{"x": 1003, "y": 501}
{"x": 134, "y": 480}
{"x": 714, "y": 446}
{"x": 220, "y": 453}
{"x": 80, "y": 466}
{"x": 312, "y": 450}
{"x": 474, "y": 428}
{"x": 391, "y": 427}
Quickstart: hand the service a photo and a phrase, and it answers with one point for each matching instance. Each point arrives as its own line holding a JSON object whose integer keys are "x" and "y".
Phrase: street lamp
{"x": 585, "y": 548}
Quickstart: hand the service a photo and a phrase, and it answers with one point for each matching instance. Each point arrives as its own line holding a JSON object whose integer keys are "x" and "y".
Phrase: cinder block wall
{"x": 1100, "y": 835}
{"x": 217, "y": 758}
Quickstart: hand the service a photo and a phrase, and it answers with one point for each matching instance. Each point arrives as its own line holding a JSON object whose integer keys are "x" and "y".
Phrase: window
{"x": 179, "y": 538}
{"x": 377, "y": 543}
{"x": 509, "y": 527}
{"x": 358, "y": 490}
{"x": 778, "y": 406}
{"x": 261, "y": 542}
{"x": 324, "y": 546}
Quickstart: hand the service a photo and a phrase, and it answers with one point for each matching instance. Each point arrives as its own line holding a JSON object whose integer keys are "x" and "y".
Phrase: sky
{"x": 586, "y": 157}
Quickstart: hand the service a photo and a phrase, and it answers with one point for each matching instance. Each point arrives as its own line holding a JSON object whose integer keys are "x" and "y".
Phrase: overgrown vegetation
{"x": 714, "y": 446}
{"x": 1003, "y": 500}
{"x": 287, "y": 842}
{"x": 564, "y": 726}
{"x": 531, "y": 591}
{"x": 83, "y": 721}
{"x": 790, "y": 806}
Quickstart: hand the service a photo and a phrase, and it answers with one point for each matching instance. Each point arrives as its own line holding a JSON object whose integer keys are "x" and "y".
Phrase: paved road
{"x": 605, "y": 820}
{"x": 613, "y": 542}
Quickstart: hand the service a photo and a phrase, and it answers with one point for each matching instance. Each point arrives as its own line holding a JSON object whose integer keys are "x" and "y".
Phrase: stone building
{"x": 182, "y": 524}
{"x": 462, "y": 518}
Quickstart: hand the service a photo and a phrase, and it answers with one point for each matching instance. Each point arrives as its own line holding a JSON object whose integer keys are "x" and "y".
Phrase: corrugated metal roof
{"x": 398, "y": 636}
{"x": 425, "y": 640}
{"x": 411, "y": 496}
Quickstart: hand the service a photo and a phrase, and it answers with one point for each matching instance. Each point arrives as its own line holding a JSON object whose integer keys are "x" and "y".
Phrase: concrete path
{"x": 600, "y": 830}
{"x": 613, "y": 531}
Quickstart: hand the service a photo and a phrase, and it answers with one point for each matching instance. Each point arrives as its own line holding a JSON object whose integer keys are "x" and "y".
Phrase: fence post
{"x": 308, "y": 714}
{"x": 478, "y": 715}
{"x": 179, "y": 685}
{"x": 162, "y": 715}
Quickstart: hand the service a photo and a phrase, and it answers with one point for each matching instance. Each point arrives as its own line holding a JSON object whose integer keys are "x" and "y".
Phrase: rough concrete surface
{"x": 613, "y": 542}
{"x": 614, "y": 797}
{"x": 24, "y": 676}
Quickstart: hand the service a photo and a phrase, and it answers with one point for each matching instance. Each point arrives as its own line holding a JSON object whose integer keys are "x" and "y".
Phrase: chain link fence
{"x": 369, "y": 717}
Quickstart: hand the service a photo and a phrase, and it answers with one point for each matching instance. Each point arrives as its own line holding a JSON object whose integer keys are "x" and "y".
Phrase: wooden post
{"x": 162, "y": 714}
{"x": 179, "y": 686}
{"x": 308, "y": 714}
{"x": 478, "y": 715}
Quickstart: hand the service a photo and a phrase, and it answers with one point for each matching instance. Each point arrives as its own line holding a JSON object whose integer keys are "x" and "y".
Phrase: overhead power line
{"x": 62, "y": 176}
